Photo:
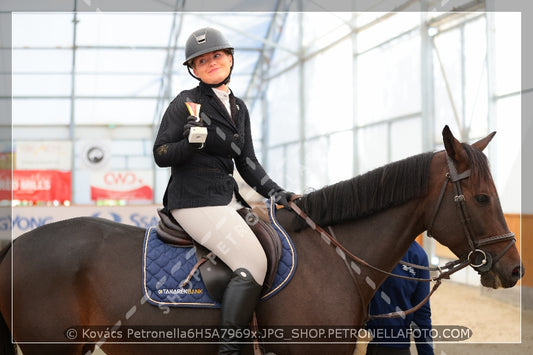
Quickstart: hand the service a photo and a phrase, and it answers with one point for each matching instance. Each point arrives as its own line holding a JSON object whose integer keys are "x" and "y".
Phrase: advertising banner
{"x": 36, "y": 185}
{"x": 38, "y": 155}
{"x": 122, "y": 185}
{"x": 94, "y": 154}
{"x": 5, "y": 185}
{"x": 6, "y": 159}
{"x": 25, "y": 218}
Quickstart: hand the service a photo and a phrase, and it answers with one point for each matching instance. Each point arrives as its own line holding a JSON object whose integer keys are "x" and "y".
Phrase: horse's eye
{"x": 483, "y": 199}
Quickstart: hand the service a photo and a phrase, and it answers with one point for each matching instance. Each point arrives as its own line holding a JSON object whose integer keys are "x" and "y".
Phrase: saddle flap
{"x": 215, "y": 273}
{"x": 269, "y": 240}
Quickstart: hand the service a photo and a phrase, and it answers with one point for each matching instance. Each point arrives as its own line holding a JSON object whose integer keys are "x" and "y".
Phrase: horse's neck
{"x": 382, "y": 239}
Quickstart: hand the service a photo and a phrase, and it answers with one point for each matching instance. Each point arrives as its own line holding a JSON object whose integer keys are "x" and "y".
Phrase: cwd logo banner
{"x": 122, "y": 185}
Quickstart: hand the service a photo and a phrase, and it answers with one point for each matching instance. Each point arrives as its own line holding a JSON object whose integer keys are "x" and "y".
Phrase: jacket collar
{"x": 218, "y": 105}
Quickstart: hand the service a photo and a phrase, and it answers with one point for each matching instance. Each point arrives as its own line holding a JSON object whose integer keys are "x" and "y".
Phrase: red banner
{"x": 122, "y": 185}
{"x": 5, "y": 185}
{"x": 36, "y": 185}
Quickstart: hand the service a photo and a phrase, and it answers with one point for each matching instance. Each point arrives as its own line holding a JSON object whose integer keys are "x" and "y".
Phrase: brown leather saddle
{"x": 214, "y": 272}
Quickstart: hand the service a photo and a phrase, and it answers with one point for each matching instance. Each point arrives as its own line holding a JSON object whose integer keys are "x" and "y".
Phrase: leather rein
{"x": 480, "y": 260}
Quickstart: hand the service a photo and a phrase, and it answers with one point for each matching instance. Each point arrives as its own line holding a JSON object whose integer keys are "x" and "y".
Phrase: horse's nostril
{"x": 517, "y": 272}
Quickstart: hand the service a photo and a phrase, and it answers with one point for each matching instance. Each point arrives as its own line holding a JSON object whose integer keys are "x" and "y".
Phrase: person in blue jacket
{"x": 202, "y": 194}
{"x": 392, "y": 335}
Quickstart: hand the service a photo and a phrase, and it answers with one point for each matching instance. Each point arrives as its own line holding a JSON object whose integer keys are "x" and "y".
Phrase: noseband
{"x": 480, "y": 260}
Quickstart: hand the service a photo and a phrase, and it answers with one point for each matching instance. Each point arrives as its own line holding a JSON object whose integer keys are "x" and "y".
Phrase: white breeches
{"x": 223, "y": 231}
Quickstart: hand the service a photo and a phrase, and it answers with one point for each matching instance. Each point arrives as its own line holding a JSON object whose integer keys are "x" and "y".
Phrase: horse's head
{"x": 468, "y": 217}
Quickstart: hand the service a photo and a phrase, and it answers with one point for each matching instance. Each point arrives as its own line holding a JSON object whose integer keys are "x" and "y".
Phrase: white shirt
{"x": 224, "y": 97}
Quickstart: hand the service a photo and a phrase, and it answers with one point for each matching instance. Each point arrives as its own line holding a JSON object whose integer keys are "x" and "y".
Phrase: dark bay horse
{"x": 85, "y": 273}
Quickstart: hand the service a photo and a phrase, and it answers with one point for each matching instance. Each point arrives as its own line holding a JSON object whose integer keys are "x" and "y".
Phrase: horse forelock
{"x": 479, "y": 164}
{"x": 375, "y": 191}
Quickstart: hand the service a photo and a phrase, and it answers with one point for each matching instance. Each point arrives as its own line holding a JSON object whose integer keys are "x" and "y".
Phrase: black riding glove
{"x": 192, "y": 121}
{"x": 283, "y": 198}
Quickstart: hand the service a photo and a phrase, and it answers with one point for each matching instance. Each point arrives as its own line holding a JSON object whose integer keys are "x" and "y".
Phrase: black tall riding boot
{"x": 238, "y": 304}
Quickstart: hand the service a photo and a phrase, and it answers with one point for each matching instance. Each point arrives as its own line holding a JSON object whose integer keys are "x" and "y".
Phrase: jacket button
{"x": 236, "y": 137}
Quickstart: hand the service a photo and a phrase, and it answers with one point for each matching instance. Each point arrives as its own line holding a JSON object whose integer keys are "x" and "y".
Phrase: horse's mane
{"x": 375, "y": 191}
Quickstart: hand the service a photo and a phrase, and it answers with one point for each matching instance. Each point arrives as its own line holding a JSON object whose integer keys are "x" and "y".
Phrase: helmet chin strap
{"x": 223, "y": 82}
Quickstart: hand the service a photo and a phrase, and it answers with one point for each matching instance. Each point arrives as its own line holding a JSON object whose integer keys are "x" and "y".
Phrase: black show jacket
{"x": 203, "y": 177}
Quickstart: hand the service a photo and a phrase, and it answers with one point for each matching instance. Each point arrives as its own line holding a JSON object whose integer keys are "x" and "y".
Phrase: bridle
{"x": 480, "y": 260}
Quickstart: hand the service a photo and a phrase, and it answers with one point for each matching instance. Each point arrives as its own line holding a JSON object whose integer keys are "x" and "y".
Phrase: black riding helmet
{"x": 203, "y": 41}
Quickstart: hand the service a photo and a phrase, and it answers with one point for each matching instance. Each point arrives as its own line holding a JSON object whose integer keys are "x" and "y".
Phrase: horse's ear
{"x": 482, "y": 143}
{"x": 453, "y": 147}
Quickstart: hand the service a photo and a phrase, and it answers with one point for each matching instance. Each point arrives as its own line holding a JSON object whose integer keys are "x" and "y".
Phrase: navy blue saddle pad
{"x": 165, "y": 267}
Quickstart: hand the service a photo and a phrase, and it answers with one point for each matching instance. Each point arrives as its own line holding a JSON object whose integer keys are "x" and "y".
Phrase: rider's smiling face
{"x": 213, "y": 67}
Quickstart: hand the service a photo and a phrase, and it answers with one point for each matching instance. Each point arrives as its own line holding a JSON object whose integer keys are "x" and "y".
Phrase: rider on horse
{"x": 202, "y": 194}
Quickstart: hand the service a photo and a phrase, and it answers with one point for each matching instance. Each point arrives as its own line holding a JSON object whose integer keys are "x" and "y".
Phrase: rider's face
{"x": 213, "y": 67}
